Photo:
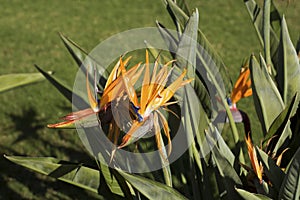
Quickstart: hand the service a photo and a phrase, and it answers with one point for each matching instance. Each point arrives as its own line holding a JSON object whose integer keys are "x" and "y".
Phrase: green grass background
{"x": 28, "y": 35}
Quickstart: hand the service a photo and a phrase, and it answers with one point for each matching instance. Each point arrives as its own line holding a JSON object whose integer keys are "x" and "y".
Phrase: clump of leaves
{"x": 223, "y": 173}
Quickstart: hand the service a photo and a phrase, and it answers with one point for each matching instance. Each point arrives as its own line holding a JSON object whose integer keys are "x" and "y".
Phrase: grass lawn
{"x": 29, "y": 36}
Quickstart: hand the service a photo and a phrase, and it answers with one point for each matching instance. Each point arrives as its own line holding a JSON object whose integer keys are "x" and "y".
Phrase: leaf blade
{"x": 273, "y": 172}
{"x": 151, "y": 189}
{"x": 264, "y": 92}
{"x": 10, "y": 81}
{"x": 289, "y": 67}
{"x": 291, "y": 184}
{"x": 251, "y": 196}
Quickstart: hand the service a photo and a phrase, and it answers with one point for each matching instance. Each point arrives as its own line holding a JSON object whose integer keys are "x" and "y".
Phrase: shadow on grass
{"x": 19, "y": 183}
{"x": 27, "y": 124}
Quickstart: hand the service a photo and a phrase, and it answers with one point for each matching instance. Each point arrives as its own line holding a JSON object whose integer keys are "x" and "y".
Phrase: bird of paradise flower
{"x": 144, "y": 107}
{"x": 242, "y": 87}
{"x": 257, "y": 167}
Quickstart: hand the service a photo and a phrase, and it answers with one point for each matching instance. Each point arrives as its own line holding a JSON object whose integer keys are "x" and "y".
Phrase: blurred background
{"x": 29, "y": 35}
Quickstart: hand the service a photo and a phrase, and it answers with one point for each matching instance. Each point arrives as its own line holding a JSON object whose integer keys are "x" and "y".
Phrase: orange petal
{"x": 117, "y": 87}
{"x": 167, "y": 94}
{"x": 113, "y": 75}
{"x": 129, "y": 87}
{"x": 92, "y": 100}
{"x": 137, "y": 131}
{"x": 71, "y": 118}
{"x": 166, "y": 130}
{"x": 278, "y": 161}
{"x": 242, "y": 86}
{"x": 65, "y": 124}
{"x": 152, "y": 85}
{"x": 145, "y": 86}
{"x": 248, "y": 92}
{"x": 126, "y": 139}
{"x": 258, "y": 169}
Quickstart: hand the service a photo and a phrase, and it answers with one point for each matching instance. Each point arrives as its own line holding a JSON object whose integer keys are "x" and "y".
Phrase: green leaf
{"x": 173, "y": 43}
{"x": 226, "y": 176}
{"x": 264, "y": 92}
{"x": 182, "y": 4}
{"x": 282, "y": 126}
{"x": 251, "y": 196}
{"x": 186, "y": 58}
{"x": 288, "y": 77}
{"x": 286, "y": 133}
{"x": 224, "y": 149}
{"x": 194, "y": 121}
{"x": 229, "y": 177}
{"x": 82, "y": 58}
{"x": 151, "y": 189}
{"x": 10, "y": 81}
{"x": 211, "y": 186}
{"x": 187, "y": 47}
{"x": 213, "y": 75}
{"x": 169, "y": 38}
{"x": 266, "y": 31}
{"x": 210, "y": 64}
{"x": 290, "y": 188}
{"x": 156, "y": 53}
{"x": 181, "y": 18}
{"x": 72, "y": 173}
{"x": 273, "y": 172}
{"x": 267, "y": 26}
{"x": 114, "y": 182}
{"x": 281, "y": 121}
{"x": 74, "y": 49}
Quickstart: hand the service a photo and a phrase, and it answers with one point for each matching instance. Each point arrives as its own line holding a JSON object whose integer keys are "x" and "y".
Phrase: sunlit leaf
{"x": 10, "y": 81}
{"x": 281, "y": 121}
{"x": 186, "y": 61}
{"x": 74, "y": 49}
{"x": 187, "y": 47}
{"x": 288, "y": 77}
{"x": 264, "y": 92}
{"x": 182, "y": 4}
{"x": 169, "y": 38}
{"x": 272, "y": 26}
{"x": 82, "y": 57}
